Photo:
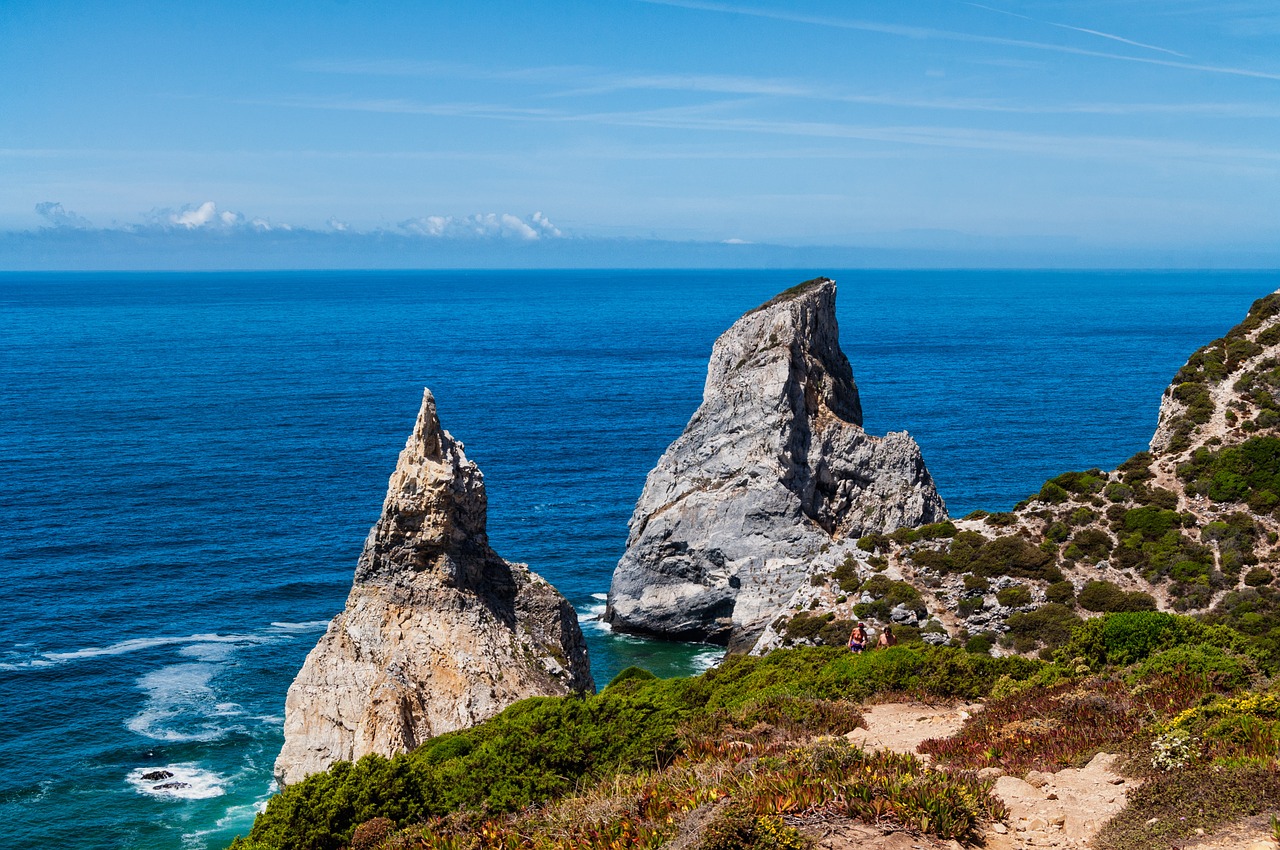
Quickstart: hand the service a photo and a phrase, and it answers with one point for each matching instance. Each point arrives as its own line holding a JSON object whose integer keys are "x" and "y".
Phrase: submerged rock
{"x": 438, "y": 633}
{"x": 773, "y": 468}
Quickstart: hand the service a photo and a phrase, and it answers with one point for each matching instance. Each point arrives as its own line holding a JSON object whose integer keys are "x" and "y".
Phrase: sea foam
{"x": 187, "y": 781}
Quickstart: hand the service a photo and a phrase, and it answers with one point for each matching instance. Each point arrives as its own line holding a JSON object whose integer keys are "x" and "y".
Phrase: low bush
{"x": 1128, "y": 638}
{"x": 1221, "y": 671}
{"x": 541, "y": 748}
{"x": 1061, "y": 725}
{"x": 1258, "y": 576}
{"x": 1047, "y": 627}
{"x": 1248, "y": 472}
{"x": 886, "y": 595}
{"x": 1081, "y": 483}
{"x": 846, "y": 575}
{"x": 1014, "y": 596}
{"x": 1105, "y": 596}
{"x": 1181, "y": 804}
{"x": 1062, "y": 592}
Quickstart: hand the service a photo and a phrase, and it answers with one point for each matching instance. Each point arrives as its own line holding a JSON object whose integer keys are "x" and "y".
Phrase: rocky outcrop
{"x": 1192, "y": 525}
{"x": 438, "y": 633}
{"x": 772, "y": 469}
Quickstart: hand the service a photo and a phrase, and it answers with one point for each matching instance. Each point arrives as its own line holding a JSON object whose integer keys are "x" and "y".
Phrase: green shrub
{"x": 1127, "y": 638}
{"x": 1258, "y": 576}
{"x": 1081, "y": 516}
{"x": 1081, "y": 483}
{"x": 1048, "y": 626}
{"x": 1157, "y": 497}
{"x": 979, "y": 644}
{"x": 1061, "y": 592}
{"x": 1013, "y": 556}
{"x": 1196, "y": 397}
{"x": 1247, "y": 472}
{"x": 846, "y": 574}
{"x": 1058, "y": 532}
{"x": 1151, "y": 522}
{"x": 1052, "y": 494}
{"x": 1108, "y": 597}
{"x": 1179, "y": 804}
{"x": 888, "y": 594}
{"x": 1137, "y": 468}
{"x": 1091, "y": 543}
{"x": 935, "y": 530}
{"x": 872, "y": 542}
{"x": 1221, "y": 670}
{"x": 1117, "y": 492}
{"x": 978, "y": 583}
{"x": 1014, "y": 596}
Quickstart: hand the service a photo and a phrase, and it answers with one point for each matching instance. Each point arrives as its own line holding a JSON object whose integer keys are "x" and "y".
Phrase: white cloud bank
{"x": 482, "y": 226}
{"x": 207, "y": 217}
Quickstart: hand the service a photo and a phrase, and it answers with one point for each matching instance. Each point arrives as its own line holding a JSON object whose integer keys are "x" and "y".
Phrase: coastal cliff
{"x": 1192, "y": 525}
{"x": 773, "y": 468}
{"x": 438, "y": 633}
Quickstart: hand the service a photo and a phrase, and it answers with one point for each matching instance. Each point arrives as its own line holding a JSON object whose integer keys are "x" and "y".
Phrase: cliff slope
{"x": 438, "y": 633}
{"x": 773, "y": 468}
{"x": 1192, "y": 525}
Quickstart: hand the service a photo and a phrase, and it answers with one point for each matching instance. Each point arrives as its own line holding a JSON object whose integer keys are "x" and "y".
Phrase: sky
{"x": 649, "y": 132}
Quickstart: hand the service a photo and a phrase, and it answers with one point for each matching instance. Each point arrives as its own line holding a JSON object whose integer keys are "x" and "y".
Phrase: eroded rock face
{"x": 773, "y": 467}
{"x": 438, "y": 633}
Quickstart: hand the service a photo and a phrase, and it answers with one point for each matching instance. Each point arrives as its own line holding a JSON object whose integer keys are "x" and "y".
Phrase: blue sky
{"x": 1076, "y": 133}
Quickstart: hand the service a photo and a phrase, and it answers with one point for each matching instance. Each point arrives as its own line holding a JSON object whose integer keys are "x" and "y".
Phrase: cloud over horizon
{"x": 56, "y": 215}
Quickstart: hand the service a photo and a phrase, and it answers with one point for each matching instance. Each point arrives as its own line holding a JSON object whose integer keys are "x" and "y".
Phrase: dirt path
{"x": 901, "y": 727}
{"x": 1064, "y": 809}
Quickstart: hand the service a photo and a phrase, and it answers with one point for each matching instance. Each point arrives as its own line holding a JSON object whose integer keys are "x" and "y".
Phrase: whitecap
{"x": 125, "y": 647}
{"x": 707, "y": 659}
{"x": 603, "y": 597}
{"x": 181, "y": 706}
{"x": 185, "y": 781}
{"x": 310, "y": 625}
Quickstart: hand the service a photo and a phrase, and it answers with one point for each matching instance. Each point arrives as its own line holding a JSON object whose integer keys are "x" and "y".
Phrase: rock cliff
{"x": 1192, "y": 525}
{"x": 438, "y": 633}
{"x": 773, "y": 468}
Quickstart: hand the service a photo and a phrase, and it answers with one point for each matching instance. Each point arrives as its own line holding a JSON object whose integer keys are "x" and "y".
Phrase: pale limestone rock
{"x": 773, "y": 468}
{"x": 438, "y": 633}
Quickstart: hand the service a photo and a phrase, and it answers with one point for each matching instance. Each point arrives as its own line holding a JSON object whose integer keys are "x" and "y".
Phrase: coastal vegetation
{"x": 732, "y": 757}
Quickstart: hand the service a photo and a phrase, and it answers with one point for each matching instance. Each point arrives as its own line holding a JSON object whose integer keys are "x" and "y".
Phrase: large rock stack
{"x": 439, "y": 632}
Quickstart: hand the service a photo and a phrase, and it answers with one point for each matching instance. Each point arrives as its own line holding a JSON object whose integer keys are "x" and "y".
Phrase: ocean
{"x": 190, "y": 463}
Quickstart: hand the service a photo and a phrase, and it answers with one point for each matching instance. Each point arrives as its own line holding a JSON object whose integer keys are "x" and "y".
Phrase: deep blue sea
{"x": 189, "y": 464}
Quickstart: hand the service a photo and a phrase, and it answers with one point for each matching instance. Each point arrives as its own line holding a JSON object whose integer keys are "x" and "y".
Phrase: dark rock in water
{"x": 172, "y": 786}
{"x": 773, "y": 468}
{"x": 157, "y": 775}
{"x": 439, "y": 632}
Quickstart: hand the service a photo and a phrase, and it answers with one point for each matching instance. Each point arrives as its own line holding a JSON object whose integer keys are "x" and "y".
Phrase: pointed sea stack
{"x": 773, "y": 467}
{"x": 438, "y": 633}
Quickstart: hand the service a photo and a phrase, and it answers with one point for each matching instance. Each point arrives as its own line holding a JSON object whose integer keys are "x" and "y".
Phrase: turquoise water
{"x": 191, "y": 463}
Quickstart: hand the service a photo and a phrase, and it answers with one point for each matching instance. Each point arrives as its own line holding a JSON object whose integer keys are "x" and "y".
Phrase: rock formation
{"x": 438, "y": 633}
{"x": 1192, "y": 525}
{"x": 773, "y": 468}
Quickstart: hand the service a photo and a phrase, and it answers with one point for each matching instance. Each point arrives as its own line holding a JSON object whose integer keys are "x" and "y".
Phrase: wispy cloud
{"x": 951, "y": 35}
{"x": 56, "y": 215}
{"x": 1097, "y": 33}
{"x": 588, "y": 82}
{"x": 703, "y": 117}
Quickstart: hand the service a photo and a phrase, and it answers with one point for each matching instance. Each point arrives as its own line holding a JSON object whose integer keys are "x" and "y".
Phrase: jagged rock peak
{"x": 435, "y": 512}
{"x": 438, "y": 633}
{"x": 773, "y": 467}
